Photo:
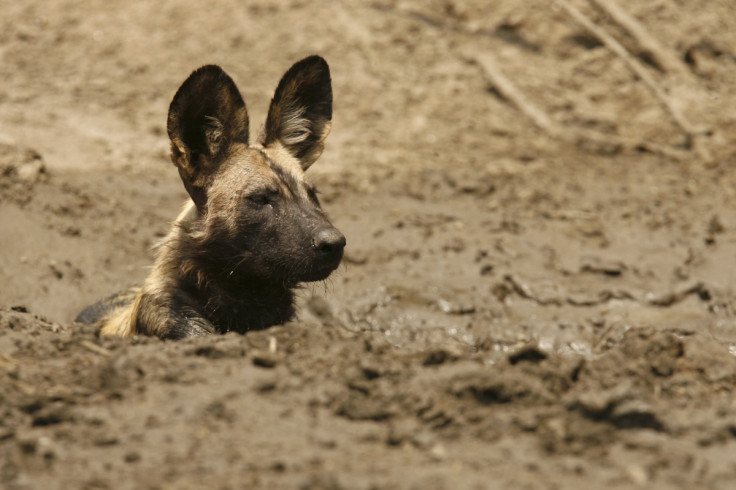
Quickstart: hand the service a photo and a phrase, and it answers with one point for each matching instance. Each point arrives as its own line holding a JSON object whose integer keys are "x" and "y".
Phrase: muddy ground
{"x": 520, "y": 306}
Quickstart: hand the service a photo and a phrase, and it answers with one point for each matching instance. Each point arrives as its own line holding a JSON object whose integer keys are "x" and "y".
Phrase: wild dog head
{"x": 257, "y": 219}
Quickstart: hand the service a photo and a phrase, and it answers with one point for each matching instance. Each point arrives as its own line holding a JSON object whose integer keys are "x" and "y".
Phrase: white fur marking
{"x": 295, "y": 128}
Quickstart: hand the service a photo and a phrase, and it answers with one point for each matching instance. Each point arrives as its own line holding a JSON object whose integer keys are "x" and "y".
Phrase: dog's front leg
{"x": 170, "y": 317}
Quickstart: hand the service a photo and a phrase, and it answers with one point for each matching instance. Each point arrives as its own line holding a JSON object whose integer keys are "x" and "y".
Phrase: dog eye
{"x": 312, "y": 193}
{"x": 260, "y": 199}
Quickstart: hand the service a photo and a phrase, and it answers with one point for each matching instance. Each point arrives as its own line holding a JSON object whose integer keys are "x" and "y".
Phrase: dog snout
{"x": 329, "y": 242}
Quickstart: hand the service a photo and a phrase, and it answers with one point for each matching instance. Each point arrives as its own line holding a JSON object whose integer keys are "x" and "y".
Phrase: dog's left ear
{"x": 300, "y": 115}
{"x": 206, "y": 116}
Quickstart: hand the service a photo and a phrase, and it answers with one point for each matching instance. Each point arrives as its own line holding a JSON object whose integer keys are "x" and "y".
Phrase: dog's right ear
{"x": 300, "y": 115}
{"x": 206, "y": 116}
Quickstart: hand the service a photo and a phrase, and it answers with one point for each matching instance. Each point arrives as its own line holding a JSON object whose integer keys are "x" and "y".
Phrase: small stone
{"x": 265, "y": 359}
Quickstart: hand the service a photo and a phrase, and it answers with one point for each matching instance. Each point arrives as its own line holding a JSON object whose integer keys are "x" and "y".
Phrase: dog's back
{"x": 105, "y": 308}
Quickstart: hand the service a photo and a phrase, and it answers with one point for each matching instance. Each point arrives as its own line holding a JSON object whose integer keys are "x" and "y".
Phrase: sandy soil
{"x": 518, "y": 308}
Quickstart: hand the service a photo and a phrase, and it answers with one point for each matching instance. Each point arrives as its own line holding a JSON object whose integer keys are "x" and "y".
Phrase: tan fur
{"x": 122, "y": 321}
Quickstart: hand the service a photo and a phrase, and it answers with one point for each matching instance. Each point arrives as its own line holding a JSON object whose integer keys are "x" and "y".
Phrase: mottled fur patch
{"x": 253, "y": 229}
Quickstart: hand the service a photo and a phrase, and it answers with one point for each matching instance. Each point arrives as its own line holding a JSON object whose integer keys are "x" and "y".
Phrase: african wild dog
{"x": 253, "y": 229}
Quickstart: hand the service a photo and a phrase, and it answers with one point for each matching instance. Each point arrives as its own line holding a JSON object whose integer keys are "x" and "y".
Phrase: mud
{"x": 517, "y": 308}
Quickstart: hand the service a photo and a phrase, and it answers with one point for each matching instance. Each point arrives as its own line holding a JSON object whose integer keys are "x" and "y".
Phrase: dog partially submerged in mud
{"x": 253, "y": 229}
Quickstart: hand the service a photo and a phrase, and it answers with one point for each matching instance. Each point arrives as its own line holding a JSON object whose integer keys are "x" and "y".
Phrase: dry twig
{"x": 508, "y": 90}
{"x": 679, "y": 120}
{"x": 660, "y": 56}
{"x": 97, "y": 349}
{"x": 600, "y": 143}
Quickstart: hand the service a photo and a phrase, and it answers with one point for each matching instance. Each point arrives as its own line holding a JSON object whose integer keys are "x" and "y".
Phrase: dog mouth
{"x": 289, "y": 273}
{"x": 316, "y": 276}
{"x": 320, "y": 269}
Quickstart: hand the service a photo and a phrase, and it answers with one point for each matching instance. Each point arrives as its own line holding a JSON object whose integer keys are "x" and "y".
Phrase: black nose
{"x": 329, "y": 241}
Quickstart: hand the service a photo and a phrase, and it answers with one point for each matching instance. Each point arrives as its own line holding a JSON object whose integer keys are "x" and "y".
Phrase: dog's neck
{"x": 241, "y": 306}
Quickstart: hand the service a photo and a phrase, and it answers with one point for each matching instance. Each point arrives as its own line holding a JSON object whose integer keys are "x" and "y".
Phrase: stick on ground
{"x": 600, "y": 143}
{"x": 508, "y": 90}
{"x": 660, "y": 56}
{"x": 679, "y": 120}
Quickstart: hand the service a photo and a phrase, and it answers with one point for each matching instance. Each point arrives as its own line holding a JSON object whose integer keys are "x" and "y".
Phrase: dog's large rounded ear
{"x": 300, "y": 115}
{"x": 206, "y": 116}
